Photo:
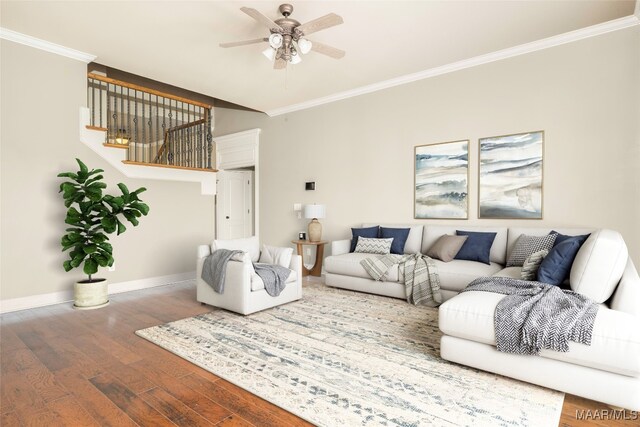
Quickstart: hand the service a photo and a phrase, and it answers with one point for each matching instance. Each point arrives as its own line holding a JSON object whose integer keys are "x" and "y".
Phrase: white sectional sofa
{"x": 607, "y": 371}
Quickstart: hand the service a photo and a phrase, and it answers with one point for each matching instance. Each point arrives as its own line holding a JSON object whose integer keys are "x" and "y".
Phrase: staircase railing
{"x": 156, "y": 127}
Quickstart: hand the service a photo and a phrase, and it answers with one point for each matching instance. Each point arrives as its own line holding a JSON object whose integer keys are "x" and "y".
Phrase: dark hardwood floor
{"x": 60, "y": 366}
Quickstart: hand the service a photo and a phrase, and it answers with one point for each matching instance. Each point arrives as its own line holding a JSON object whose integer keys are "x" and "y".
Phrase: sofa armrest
{"x": 204, "y": 251}
{"x": 339, "y": 247}
{"x": 296, "y": 264}
{"x": 626, "y": 297}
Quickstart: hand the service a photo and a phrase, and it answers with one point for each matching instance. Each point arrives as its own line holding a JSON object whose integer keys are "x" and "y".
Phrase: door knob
{"x": 227, "y": 217}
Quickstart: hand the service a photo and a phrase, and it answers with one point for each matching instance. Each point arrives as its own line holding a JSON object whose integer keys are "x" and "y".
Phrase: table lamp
{"x": 314, "y": 212}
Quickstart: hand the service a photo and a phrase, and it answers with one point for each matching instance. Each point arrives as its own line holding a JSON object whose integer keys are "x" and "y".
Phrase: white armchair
{"x": 244, "y": 291}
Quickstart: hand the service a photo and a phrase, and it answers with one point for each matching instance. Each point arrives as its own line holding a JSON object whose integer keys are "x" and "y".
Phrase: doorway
{"x": 234, "y": 204}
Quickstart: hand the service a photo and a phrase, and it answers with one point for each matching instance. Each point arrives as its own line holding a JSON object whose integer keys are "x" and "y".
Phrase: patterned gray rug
{"x": 342, "y": 358}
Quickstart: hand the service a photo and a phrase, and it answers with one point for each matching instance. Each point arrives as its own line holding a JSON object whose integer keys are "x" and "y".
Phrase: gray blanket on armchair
{"x": 273, "y": 276}
{"x": 536, "y": 316}
{"x": 214, "y": 268}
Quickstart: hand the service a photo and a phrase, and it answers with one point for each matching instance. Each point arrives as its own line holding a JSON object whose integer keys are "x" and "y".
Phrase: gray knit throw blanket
{"x": 536, "y": 316}
{"x": 214, "y": 268}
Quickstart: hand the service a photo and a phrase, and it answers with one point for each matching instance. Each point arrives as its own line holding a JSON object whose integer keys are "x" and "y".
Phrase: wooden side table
{"x": 316, "y": 270}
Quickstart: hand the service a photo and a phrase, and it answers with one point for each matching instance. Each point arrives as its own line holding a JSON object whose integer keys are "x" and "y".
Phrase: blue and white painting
{"x": 511, "y": 176}
{"x": 442, "y": 172}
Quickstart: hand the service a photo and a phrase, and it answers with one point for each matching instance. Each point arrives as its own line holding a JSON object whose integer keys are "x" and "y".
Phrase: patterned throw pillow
{"x": 532, "y": 264}
{"x": 374, "y": 246}
{"x": 526, "y": 245}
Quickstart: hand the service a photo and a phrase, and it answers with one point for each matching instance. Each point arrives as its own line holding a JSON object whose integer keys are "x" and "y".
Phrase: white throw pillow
{"x": 374, "y": 246}
{"x": 248, "y": 244}
{"x": 599, "y": 265}
{"x": 276, "y": 256}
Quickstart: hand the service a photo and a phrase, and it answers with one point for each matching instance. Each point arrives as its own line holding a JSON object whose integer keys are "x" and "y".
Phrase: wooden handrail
{"x": 147, "y": 90}
{"x": 173, "y": 129}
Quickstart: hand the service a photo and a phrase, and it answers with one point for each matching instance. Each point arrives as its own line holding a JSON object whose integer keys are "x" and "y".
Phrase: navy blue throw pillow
{"x": 562, "y": 237}
{"x": 477, "y": 247}
{"x": 557, "y": 264}
{"x": 370, "y": 232}
{"x": 399, "y": 236}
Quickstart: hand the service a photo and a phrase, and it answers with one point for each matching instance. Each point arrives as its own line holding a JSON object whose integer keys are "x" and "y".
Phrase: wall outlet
{"x": 112, "y": 268}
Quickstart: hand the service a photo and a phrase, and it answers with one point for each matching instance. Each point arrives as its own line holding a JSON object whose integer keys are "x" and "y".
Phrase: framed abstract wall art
{"x": 510, "y": 176}
{"x": 442, "y": 180}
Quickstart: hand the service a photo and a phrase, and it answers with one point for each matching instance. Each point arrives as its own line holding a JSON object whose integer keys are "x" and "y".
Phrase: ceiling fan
{"x": 288, "y": 37}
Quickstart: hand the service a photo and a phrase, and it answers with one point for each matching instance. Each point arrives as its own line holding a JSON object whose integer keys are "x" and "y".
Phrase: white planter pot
{"x": 92, "y": 295}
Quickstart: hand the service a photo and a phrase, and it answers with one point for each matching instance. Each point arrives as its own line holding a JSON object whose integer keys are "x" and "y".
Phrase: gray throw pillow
{"x": 526, "y": 245}
{"x": 446, "y": 247}
{"x": 532, "y": 264}
{"x": 373, "y": 246}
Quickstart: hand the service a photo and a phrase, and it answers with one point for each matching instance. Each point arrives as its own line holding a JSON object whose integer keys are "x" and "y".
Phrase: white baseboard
{"x": 34, "y": 301}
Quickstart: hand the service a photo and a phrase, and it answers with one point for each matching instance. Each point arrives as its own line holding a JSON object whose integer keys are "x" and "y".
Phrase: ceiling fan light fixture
{"x": 269, "y": 53}
{"x": 275, "y": 40}
{"x": 295, "y": 59}
{"x": 304, "y": 46}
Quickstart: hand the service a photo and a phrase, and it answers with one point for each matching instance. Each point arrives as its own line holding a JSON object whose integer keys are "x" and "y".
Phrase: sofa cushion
{"x": 557, "y": 264}
{"x": 457, "y": 274}
{"x": 248, "y": 244}
{"x": 526, "y": 245}
{"x": 477, "y": 247}
{"x": 373, "y": 246}
{"x": 349, "y": 265}
{"x": 598, "y": 267}
{"x": 515, "y": 232}
{"x": 615, "y": 343}
{"x": 414, "y": 239}
{"x": 446, "y": 247}
{"x": 562, "y": 237}
{"x": 497, "y": 254}
{"x": 399, "y": 236}
{"x": 512, "y": 272}
{"x": 369, "y": 232}
{"x": 257, "y": 284}
{"x": 276, "y": 255}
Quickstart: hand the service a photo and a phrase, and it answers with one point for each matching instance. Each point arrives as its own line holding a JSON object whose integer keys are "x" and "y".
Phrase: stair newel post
{"x": 208, "y": 112}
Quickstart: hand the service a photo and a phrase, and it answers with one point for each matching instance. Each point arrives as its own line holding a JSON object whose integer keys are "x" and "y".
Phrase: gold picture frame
{"x": 511, "y": 176}
{"x": 441, "y": 180}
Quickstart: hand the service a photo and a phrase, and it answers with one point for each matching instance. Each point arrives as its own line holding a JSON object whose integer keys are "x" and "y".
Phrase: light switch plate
{"x": 297, "y": 207}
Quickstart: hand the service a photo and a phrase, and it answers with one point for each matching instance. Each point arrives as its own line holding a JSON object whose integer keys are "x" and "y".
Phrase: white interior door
{"x": 234, "y": 208}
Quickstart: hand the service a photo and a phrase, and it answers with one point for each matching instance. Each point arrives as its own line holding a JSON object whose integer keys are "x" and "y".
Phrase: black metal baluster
{"x": 107, "y": 118}
{"x": 120, "y": 129}
{"x": 209, "y": 138}
{"x": 157, "y": 126}
{"x": 92, "y": 87}
{"x": 135, "y": 126}
{"x": 115, "y": 110}
{"x": 100, "y": 92}
{"x": 150, "y": 135}
{"x": 128, "y": 130}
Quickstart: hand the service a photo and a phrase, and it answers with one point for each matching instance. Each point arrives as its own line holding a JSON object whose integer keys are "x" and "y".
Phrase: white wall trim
{"x": 34, "y": 301}
{"x": 560, "y": 39}
{"x": 26, "y": 40}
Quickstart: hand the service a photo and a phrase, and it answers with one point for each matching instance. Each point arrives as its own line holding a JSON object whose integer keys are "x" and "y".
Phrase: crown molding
{"x": 560, "y": 39}
{"x": 26, "y": 40}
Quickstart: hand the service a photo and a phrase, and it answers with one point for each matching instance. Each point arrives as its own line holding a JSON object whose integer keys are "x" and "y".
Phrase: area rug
{"x": 342, "y": 358}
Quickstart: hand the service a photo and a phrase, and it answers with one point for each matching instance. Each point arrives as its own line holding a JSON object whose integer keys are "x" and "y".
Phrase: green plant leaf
{"x": 121, "y": 228}
{"x": 139, "y": 190}
{"x": 142, "y": 207}
{"x": 131, "y": 217}
{"x": 90, "y": 266}
{"x": 106, "y": 247}
{"x": 67, "y": 266}
{"x": 123, "y": 188}
{"x": 89, "y": 249}
{"x": 83, "y": 167}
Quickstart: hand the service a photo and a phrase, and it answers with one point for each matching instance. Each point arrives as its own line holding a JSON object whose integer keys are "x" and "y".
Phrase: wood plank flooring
{"x": 65, "y": 367}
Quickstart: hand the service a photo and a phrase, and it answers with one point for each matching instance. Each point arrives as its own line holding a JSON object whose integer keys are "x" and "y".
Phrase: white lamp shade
{"x": 314, "y": 211}
{"x": 295, "y": 59}
{"x": 275, "y": 40}
{"x": 304, "y": 46}
{"x": 269, "y": 53}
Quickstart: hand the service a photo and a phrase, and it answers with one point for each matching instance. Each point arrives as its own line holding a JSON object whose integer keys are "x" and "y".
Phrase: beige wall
{"x": 360, "y": 150}
{"x": 41, "y": 95}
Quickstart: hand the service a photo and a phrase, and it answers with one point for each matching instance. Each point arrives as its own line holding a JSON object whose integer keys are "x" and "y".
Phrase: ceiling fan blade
{"x": 258, "y": 16}
{"x": 245, "y": 42}
{"x": 280, "y": 64}
{"x": 327, "y": 50}
{"x": 321, "y": 23}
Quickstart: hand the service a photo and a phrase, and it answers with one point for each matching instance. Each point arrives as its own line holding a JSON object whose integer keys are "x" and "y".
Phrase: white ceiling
{"x": 176, "y": 42}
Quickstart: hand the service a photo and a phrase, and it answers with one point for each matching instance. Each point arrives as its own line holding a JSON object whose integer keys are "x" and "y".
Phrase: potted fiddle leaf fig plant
{"x": 92, "y": 216}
